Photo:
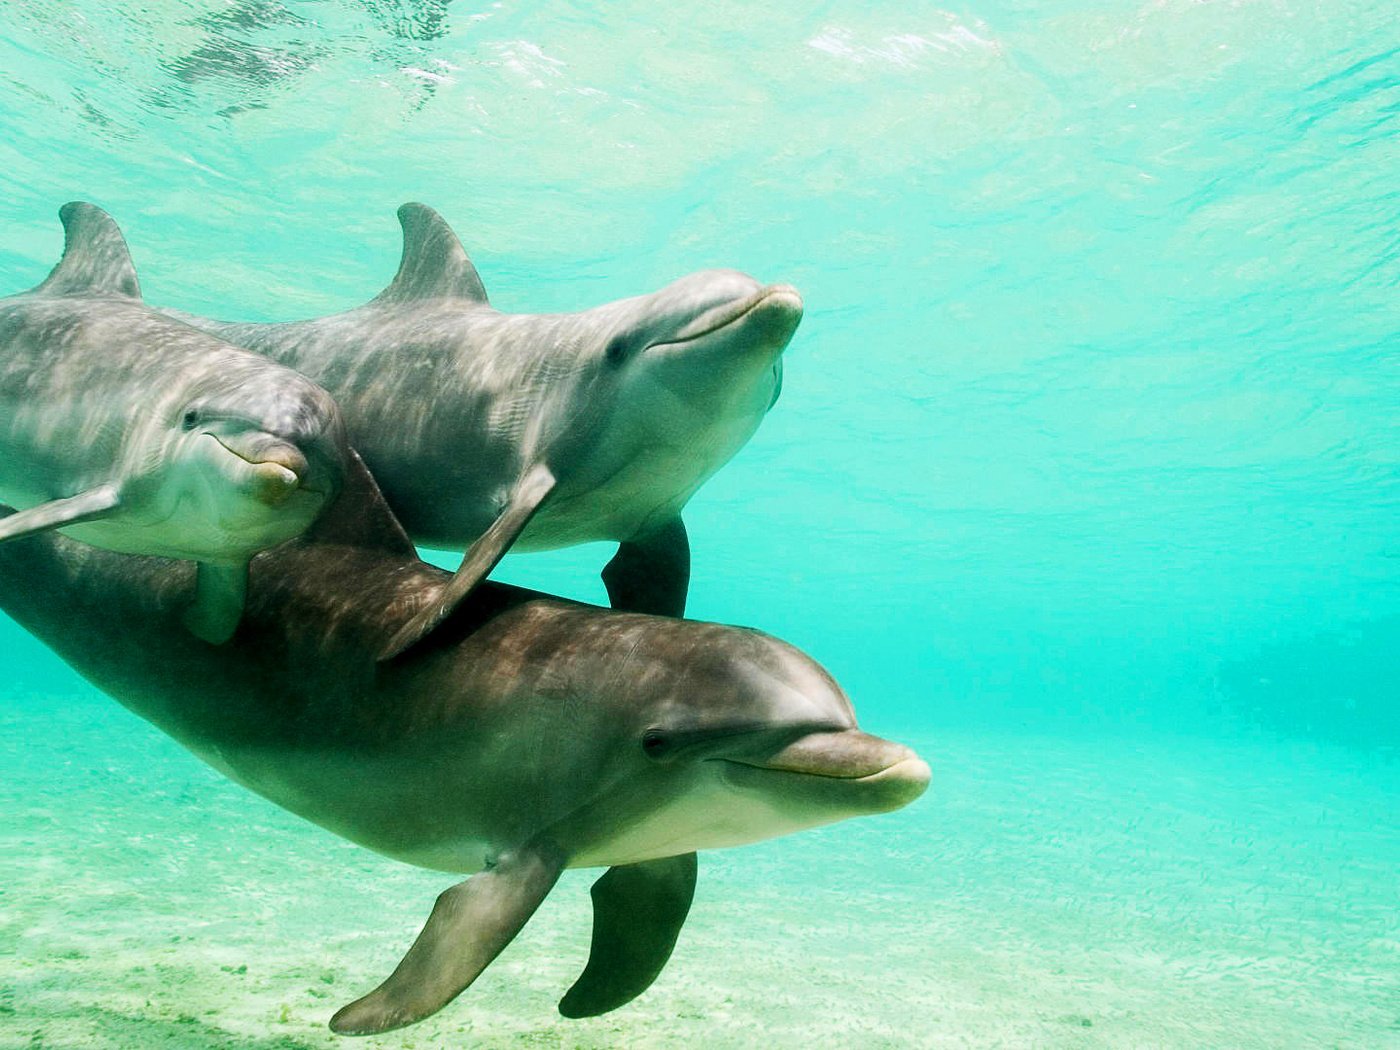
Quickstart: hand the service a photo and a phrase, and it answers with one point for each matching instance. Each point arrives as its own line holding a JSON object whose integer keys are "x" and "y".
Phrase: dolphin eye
{"x": 190, "y": 420}
{"x": 654, "y": 743}
{"x": 618, "y": 351}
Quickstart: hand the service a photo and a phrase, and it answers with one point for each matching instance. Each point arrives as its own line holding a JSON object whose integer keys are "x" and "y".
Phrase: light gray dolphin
{"x": 488, "y": 430}
{"x": 529, "y": 735}
{"x": 136, "y": 433}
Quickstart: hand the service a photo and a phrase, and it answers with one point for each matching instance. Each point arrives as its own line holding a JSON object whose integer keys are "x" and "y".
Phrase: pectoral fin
{"x": 651, "y": 573}
{"x": 85, "y": 506}
{"x": 219, "y": 593}
{"x": 471, "y": 923}
{"x": 638, "y": 912}
{"x": 480, "y": 559}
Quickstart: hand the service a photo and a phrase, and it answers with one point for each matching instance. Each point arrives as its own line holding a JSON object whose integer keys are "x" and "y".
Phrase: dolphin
{"x": 529, "y": 735}
{"x": 136, "y": 433}
{"x": 489, "y": 431}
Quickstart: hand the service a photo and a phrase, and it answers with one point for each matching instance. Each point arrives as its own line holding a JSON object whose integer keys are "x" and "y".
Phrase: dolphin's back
{"x": 300, "y": 671}
{"x": 443, "y": 398}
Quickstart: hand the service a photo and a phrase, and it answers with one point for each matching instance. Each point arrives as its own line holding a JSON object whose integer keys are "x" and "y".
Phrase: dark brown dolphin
{"x": 528, "y": 735}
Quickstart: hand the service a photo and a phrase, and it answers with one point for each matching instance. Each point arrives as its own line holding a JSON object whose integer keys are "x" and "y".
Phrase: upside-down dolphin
{"x": 136, "y": 433}
{"x": 529, "y": 735}
{"x": 487, "y": 430}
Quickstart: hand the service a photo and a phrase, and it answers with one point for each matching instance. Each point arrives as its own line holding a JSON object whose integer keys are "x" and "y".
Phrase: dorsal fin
{"x": 95, "y": 258}
{"x": 434, "y": 264}
{"x": 359, "y": 517}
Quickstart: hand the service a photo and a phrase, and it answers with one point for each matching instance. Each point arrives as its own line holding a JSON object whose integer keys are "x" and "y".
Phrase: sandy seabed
{"x": 1047, "y": 892}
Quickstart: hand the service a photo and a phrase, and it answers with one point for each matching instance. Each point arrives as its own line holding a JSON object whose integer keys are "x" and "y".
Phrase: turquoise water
{"x": 1084, "y": 479}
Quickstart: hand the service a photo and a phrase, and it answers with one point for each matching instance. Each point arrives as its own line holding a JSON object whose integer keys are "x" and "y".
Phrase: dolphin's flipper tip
{"x": 424, "y": 622}
{"x": 368, "y": 1016}
{"x": 638, "y": 912}
{"x": 470, "y": 925}
{"x": 219, "y": 594}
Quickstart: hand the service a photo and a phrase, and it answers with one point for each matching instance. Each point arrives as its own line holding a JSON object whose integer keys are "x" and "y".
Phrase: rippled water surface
{"x": 1091, "y": 428}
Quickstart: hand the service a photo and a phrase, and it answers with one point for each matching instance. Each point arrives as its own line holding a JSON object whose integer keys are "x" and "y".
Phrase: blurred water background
{"x": 1092, "y": 426}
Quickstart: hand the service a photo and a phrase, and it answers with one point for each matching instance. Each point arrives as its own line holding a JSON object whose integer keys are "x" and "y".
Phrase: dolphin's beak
{"x": 875, "y": 775}
{"x": 843, "y": 753}
{"x": 278, "y": 467}
{"x": 770, "y": 316}
{"x": 776, "y": 314}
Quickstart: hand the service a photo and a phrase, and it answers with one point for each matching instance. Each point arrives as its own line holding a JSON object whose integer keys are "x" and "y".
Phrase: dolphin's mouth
{"x": 859, "y": 774}
{"x": 784, "y": 297}
{"x": 278, "y": 453}
{"x": 278, "y": 468}
{"x": 847, "y": 761}
{"x": 882, "y": 790}
{"x": 840, "y": 754}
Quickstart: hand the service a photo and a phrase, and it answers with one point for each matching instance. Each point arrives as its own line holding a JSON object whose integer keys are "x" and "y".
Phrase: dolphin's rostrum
{"x": 491, "y": 430}
{"x": 529, "y": 735}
